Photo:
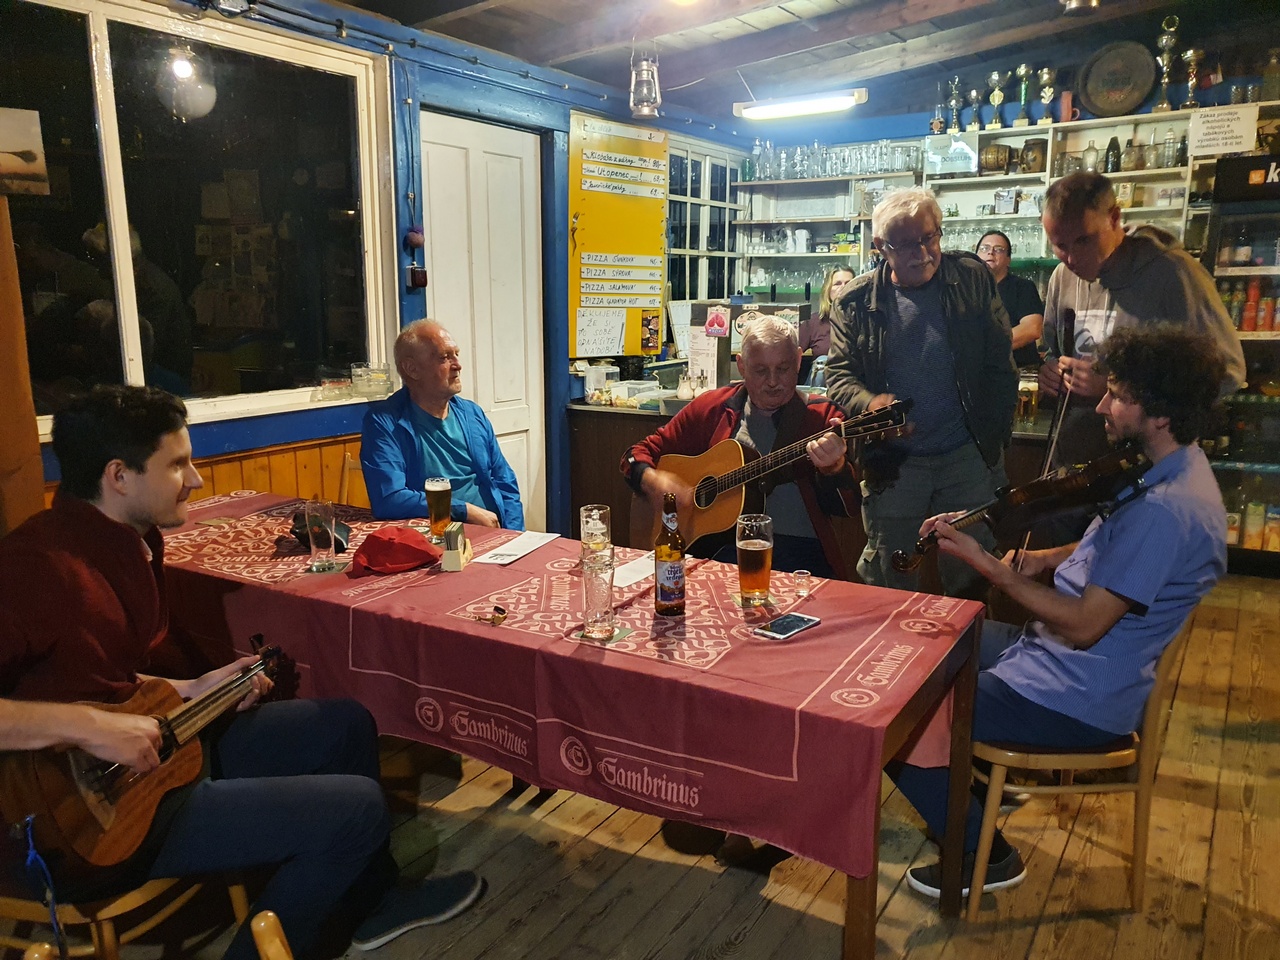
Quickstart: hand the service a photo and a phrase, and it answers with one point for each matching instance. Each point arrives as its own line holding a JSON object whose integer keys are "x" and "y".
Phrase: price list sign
{"x": 617, "y": 237}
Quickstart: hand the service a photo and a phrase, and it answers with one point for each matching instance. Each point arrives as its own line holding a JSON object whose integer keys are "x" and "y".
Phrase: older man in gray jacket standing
{"x": 928, "y": 326}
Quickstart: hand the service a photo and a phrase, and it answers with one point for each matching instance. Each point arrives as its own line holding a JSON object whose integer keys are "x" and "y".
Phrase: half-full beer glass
{"x": 755, "y": 557}
{"x": 320, "y": 520}
{"x": 595, "y": 528}
{"x": 439, "y": 503}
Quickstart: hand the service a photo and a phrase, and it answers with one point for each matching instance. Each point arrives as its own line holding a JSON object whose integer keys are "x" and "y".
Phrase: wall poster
{"x": 617, "y": 237}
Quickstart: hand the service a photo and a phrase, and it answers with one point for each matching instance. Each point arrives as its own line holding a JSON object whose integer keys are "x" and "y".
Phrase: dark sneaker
{"x": 1008, "y": 872}
{"x": 433, "y": 900}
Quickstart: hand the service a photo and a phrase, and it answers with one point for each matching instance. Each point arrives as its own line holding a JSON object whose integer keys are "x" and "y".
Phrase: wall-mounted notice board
{"x": 617, "y": 237}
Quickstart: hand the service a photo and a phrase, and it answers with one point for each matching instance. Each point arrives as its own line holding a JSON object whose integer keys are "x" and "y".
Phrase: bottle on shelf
{"x": 768, "y": 169}
{"x": 1271, "y": 77}
{"x": 1151, "y": 153}
{"x": 1235, "y": 303}
{"x": 1226, "y": 252}
{"x": 1090, "y": 158}
{"x": 668, "y": 558}
{"x": 1169, "y": 155}
{"x": 751, "y": 164}
{"x": 1131, "y": 158}
{"x": 1243, "y": 252}
{"x": 1267, "y": 313}
{"x": 1059, "y": 167}
{"x": 1232, "y": 503}
{"x": 1111, "y": 164}
{"x": 1253, "y": 508}
{"x": 1182, "y": 159}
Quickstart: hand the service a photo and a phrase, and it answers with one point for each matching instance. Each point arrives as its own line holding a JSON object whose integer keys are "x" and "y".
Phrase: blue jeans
{"x": 926, "y": 486}
{"x": 1000, "y": 713}
{"x": 295, "y": 784}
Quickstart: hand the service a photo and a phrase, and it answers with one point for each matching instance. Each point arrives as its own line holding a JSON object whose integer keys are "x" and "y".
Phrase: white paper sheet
{"x": 513, "y": 550}
{"x": 633, "y": 571}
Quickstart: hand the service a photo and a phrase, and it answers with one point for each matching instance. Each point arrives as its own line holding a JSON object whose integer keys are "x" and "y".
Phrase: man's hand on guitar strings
{"x": 828, "y": 451}
{"x": 124, "y": 738}
{"x": 260, "y": 685}
{"x": 657, "y": 482}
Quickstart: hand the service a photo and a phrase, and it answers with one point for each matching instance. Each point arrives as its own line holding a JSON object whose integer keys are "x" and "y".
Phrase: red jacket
{"x": 715, "y": 416}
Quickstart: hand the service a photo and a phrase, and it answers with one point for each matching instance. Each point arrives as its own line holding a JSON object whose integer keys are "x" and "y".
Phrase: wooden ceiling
{"x": 711, "y": 51}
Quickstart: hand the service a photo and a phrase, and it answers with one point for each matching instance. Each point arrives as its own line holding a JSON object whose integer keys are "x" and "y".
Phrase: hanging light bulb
{"x": 185, "y": 85}
{"x": 646, "y": 95}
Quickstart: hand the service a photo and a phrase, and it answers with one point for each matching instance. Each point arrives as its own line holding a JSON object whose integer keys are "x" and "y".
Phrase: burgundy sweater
{"x": 81, "y": 604}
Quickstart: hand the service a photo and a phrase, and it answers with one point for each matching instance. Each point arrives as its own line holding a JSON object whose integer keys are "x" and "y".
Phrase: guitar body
{"x": 95, "y": 823}
{"x": 719, "y": 513}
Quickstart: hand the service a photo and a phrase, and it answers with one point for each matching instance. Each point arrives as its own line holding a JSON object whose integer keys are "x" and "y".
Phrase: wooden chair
{"x": 1139, "y": 753}
{"x": 101, "y": 915}
{"x": 350, "y": 465}
{"x": 40, "y": 951}
{"x": 269, "y": 937}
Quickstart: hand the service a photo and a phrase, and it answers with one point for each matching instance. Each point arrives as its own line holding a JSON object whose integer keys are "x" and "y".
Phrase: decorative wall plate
{"x": 1116, "y": 79}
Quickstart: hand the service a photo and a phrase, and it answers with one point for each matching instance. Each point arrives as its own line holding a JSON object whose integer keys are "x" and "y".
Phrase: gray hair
{"x": 768, "y": 332}
{"x": 413, "y": 336}
{"x": 904, "y": 204}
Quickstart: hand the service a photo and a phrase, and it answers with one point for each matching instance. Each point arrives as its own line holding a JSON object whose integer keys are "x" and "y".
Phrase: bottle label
{"x": 669, "y": 521}
{"x": 670, "y": 581}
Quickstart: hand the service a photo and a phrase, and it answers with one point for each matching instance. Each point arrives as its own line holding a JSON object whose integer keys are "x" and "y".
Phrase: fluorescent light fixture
{"x": 804, "y": 106}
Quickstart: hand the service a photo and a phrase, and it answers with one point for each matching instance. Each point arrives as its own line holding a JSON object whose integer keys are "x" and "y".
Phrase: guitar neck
{"x": 848, "y": 430}
{"x": 188, "y": 720}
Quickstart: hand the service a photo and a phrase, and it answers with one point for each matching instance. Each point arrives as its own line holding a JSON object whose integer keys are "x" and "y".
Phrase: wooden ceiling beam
{"x": 865, "y": 21}
{"x": 621, "y": 23}
{"x": 945, "y": 45}
{"x": 445, "y": 10}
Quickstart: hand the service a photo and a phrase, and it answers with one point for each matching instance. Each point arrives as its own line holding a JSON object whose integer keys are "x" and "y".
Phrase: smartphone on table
{"x": 786, "y": 626}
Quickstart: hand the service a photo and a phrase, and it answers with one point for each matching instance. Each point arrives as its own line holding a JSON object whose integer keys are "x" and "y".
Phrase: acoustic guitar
{"x": 95, "y": 813}
{"x": 720, "y": 476}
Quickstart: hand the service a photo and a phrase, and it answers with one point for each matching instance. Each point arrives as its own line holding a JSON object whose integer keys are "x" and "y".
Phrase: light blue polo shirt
{"x": 1163, "y": 551}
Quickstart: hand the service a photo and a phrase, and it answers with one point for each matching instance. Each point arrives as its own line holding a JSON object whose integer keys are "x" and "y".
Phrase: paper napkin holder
{"x": 457, "y": 548}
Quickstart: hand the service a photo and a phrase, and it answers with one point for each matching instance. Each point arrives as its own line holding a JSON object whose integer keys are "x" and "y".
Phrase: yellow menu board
{"x": 617, "y": 237}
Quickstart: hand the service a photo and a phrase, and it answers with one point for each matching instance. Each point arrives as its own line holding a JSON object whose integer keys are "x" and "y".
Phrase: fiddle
{"x": 1016, "y": 509}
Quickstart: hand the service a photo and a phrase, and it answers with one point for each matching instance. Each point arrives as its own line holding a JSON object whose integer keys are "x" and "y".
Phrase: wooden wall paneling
{"x": 283, "y": 467}
{"x": 257, "y": 473}
{"x": 331, "y": 469}
{"x": 358, "y": 494}
{"x": 227, "y": 476}
{"x": 206, "y": 474}
{"x": 309, "y": 478}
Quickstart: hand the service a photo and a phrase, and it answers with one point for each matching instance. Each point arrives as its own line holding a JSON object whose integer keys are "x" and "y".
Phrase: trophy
{"x": 936, "y": 123}
{"x": 1192, "y": 59}
{"x": 975, "y": 121}
{"x": 1165, "y": 42}
{"x": 1046, "y": 77}
{"x": 1024, "y": 74}
{"x": 956, "y": 103}
{"x": 996, "y": 80}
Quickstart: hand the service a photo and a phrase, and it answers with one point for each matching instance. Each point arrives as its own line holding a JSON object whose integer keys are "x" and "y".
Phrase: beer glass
{"x": 1028, "y": 398}
{"x": 597, "y": 594}
{"x": 594, "y": 528}
{"x": 319, "y": 517}
{"x": 439, "y": 504}
{"x": 755, "y": 557}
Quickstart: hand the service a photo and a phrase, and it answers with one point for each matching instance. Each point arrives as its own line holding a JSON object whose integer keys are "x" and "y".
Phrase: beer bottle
{"x": 668, "y": 557}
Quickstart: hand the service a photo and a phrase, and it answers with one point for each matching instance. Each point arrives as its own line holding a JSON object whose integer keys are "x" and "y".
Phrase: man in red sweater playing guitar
{"x": 290, "y": 785}
{"x": 763, "y": 413}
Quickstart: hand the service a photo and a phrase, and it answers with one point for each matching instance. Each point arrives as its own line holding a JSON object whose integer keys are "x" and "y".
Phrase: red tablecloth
{"x": 695, "y": 719}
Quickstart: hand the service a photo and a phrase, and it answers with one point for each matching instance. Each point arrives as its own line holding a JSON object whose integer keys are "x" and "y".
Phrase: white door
{"x": 480, "y": 190}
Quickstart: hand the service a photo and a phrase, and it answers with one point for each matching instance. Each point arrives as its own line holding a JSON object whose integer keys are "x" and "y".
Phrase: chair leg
{"x": 239, "y": 901}
{"x": 106, "y": 946}
{"x": 1141, "y": 827}
{"x": 982, "y": 856}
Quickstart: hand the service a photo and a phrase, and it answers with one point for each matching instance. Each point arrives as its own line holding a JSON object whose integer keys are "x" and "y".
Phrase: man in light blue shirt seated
{"x": 1078, "y": 675}
{"x": 425, "y": 429}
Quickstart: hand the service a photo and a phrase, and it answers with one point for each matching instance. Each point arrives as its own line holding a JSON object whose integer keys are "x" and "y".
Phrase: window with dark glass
{"x": 73, "y": 337}
{"x": 248, "y": 260}
{"x": 719, "y": 182}
{"x": 679, "y": 182}
{"x": 677, "y": 225}
{"x": 676, "y": 277}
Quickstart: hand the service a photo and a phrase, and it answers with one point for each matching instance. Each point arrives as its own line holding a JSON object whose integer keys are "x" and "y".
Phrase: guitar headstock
{"x": 883, "y": 424}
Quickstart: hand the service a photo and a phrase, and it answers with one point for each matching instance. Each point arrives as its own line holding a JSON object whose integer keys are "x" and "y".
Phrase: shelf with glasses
{"x": 783, "y": 221}
{"x": 793, "y": 256}
{"x": 759, "y": 184}
{"x": 939, "y": 183}
{"x": 1167, "y": 210}
{"x": 1002, "y": 217}
{"x": 1155, "y": 173}
{"x": 1247, "y": 271}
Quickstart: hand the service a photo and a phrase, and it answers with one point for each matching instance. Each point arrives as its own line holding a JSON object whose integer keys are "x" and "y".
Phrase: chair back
{"x": 1155, "y": 715}
{"x": 268, "y": 935}
{"x": 350, "y": 465}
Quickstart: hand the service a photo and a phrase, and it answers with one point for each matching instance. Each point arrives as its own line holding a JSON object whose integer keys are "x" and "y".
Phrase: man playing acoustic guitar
{"x": 763, "y": 413}
{"x": 290, "y": 785}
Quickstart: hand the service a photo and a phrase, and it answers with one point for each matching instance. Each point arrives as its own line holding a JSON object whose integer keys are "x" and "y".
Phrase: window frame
{"x": 700, "y": 206}
{"x": 371, "y": 74}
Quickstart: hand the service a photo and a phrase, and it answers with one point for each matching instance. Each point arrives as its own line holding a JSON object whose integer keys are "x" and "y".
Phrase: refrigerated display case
{"x": 1242, "y": 251}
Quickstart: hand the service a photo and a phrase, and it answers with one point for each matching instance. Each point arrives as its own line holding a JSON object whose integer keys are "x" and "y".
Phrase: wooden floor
{"x": 575, "y": 879}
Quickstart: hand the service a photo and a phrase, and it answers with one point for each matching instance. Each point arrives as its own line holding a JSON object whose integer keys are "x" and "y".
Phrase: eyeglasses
{"x": 988, "y": 248}
{"x": 907, "y": 245}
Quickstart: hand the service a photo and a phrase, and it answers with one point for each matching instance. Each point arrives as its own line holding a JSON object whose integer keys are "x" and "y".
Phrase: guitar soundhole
{"x": 704, "y": 494}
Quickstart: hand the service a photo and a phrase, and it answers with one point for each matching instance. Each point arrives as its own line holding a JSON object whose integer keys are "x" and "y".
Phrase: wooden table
{"x": 696, "y": 720}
